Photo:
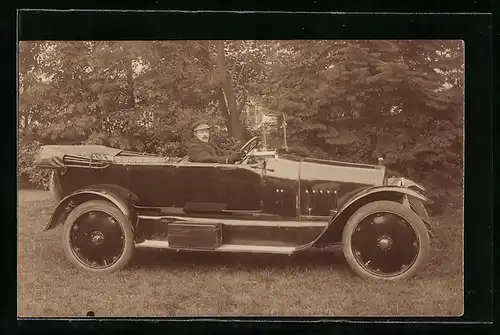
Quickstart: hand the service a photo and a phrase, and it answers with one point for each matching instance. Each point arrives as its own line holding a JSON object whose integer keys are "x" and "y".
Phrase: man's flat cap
{"x": 202, "y": 124}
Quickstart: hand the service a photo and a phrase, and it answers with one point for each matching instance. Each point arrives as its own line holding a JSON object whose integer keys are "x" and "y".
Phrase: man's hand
{"x": 236, "y": 156}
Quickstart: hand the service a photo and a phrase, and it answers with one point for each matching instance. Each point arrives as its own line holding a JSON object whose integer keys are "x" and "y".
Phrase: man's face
{"x": 202, "y": 134}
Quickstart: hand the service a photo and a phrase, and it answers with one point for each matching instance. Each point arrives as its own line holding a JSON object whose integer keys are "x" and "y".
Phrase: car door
{"x": 241, "y": 186}
{"x": 153, "y": 184}
{"x": 196, "y": 188}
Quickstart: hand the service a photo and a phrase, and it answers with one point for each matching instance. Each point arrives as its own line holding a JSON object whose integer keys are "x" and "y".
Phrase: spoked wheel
{"x": 97, "y": 237}
{"x": 385, "y": 240}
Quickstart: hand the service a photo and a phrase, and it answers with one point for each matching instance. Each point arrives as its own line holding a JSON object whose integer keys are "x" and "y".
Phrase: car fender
{"x": 404, "y": 182}
{"x": 55, "y": 187}
{"x": 356, "y": 198}
{"x": 69, "y": 202}
{"x": 385, "y": 188}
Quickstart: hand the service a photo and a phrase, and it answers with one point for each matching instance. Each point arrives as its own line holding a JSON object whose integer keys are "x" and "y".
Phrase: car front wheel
{"x": 385, "y": 240}
{"x": 97, "y": 237}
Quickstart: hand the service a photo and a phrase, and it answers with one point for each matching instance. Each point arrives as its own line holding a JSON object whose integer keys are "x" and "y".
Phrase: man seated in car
{"x": 201, "y": 151}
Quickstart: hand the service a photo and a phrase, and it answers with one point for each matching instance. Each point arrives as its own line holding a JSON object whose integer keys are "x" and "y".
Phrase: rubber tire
{"x": 111, "y": 209}
{"x": 409, "y": 215}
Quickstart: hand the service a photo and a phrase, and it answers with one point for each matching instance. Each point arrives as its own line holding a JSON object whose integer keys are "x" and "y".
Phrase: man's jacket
{"x": 202, "y": 152}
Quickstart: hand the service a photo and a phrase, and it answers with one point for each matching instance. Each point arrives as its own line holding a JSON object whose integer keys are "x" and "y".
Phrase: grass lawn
{"x": 159, "y": 283}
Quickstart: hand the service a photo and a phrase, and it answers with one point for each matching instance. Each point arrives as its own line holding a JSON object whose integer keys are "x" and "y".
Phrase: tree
{"x": 358, "y": 100}
{"x": 30, "y": 87}
{"x": 234, "y": 66}
{"x": 352, "y": 100}
{"x": 233, "y": 110}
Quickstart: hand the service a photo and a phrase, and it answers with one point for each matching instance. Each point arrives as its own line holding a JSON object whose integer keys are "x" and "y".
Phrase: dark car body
{"x": 268, "y": 203}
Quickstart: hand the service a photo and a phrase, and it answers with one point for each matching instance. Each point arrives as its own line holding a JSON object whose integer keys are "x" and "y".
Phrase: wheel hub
{"x": 384, "y": 242}
{"x": 97, "y": 238}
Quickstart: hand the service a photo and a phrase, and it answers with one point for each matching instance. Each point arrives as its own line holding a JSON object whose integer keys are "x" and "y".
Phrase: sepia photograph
{"x": 172, "y": 178}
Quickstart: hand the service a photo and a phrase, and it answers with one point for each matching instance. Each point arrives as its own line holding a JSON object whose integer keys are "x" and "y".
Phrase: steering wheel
{"x": 250, "y": 145}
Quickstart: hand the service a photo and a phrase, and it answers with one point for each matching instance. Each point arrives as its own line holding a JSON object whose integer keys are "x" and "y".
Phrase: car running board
{"x": 222, "y": 248}
{"x": 240, "y": 222}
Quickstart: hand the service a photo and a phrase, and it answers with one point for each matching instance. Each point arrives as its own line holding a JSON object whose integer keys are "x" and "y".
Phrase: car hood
{"x": 295, "y": 158}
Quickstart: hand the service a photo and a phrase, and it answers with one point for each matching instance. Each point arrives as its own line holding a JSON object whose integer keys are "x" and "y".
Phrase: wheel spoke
{"x": 97, "y": 239}
{"x": 384, "y": 244}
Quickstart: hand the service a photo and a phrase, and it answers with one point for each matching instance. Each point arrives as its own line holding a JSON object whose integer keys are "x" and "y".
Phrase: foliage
{"x": 349, "y": 100}
{"x": 359, "y": 100}
{"x": 27, "y": 172}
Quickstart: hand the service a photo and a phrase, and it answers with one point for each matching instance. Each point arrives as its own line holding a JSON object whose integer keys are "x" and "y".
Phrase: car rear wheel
{"x": 385, "y": 240}
{"x": 97, "y": 237}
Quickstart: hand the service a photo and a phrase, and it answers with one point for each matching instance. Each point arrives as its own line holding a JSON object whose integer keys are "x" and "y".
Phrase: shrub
{"x": 26, "y": 170}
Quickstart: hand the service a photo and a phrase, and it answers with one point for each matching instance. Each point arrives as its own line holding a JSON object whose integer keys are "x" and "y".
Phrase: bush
{"x": 26, "y": 170}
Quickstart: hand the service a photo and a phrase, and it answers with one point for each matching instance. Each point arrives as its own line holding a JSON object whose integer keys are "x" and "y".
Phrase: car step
{"x": 256, "y": 249}
{"x": 223, "y": 248}
{"x": 239, "y": 222}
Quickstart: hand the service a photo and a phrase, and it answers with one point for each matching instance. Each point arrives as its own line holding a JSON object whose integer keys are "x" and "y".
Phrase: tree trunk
{"x": 235, "y": 127}
{"x": 223, "y": 108}
{"x": 28, "y": 62}
{"x": 26, "y": 129}
{"x": 130, "y": 84}
{"x": 103, "y": 109}
{"x": 207, "y": 61}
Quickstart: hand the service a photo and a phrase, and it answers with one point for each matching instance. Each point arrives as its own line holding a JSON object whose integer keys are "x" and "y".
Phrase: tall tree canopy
{"x": 359, "y": 100}
{"x": 348, "y": 100}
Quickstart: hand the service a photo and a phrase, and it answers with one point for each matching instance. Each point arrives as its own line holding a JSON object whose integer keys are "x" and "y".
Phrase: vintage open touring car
{"x": 112, "y": 201}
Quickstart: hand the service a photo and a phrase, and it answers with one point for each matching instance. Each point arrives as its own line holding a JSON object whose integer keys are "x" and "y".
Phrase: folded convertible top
{"x": 58, "y": 156}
